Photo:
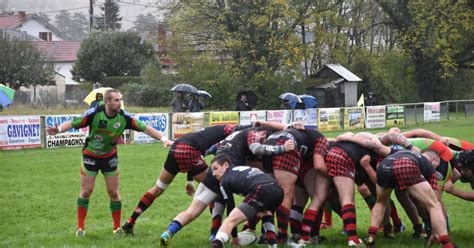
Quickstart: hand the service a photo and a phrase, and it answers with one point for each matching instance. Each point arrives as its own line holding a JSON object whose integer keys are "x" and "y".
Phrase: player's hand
{"x": 444, "y": 140}
{"x": 52, "y": 130}
{"x": 434, "y": 239}
{"x": 235, "y": 242}
{"x": 189, "y": 188}
{"x": 448, "y": 186}
{"x": 298, "y": 125}
{"x": 289, "y": 145}
{"x": 168, "y": 143}
{"x": 344, "y": 136}
{"x": 365, "y": 161}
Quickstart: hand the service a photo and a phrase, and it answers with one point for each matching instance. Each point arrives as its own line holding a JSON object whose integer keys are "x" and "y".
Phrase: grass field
{"x": 39, "y": 190}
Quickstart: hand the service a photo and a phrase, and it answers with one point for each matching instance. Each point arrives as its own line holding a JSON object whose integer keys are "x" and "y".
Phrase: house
{"x": 30, "y": 24}
{"x": 335, "y": 86}
{"x": 63, "y": 55}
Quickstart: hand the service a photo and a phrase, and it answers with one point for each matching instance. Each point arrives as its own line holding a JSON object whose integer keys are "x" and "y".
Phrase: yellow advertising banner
{"x": 184, "y": 123}
{"x": 329, "y": 119}
{"x": 354, "y": 118}
{"x": 222, "y": 118}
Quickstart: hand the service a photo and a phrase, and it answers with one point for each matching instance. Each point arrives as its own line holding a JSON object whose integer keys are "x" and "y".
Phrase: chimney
{"x": 22, "y": 15}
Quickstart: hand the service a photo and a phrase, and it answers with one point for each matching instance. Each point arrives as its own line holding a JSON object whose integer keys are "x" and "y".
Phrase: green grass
{"x": 39, "y": 189}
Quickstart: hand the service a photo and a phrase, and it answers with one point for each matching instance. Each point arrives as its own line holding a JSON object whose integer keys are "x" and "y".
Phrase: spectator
{"x": 99, "y": 99}
{"x": 242, "y": 104}
{"x": 195, "y": 104}
{"x": 371, "y": 101}
{"x": 178, "y": 104}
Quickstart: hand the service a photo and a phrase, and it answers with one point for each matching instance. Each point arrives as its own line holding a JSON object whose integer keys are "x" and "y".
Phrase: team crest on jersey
{"x": 98, "y": 138}
{"x": 102, "y": 124}
{"x": 117, "y": 125}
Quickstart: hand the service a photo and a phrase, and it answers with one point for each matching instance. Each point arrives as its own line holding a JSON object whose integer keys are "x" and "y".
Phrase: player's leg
{"x": 345, "y": 188}
{"x": 112, "y": 185}
{"x": 88, "y": 174}
{"x": 235, "y": 217}
{"x": 427, "y": 197}
{"x": 377, "y": 213}
{"x": 202, "y": 198}
{"x": 412, "y": 213}
{"x": 165, "y": 178}
{"x": 287, "y": 181}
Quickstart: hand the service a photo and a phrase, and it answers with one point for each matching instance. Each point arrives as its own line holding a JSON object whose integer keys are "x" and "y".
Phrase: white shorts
{"x": 204, "y": 194}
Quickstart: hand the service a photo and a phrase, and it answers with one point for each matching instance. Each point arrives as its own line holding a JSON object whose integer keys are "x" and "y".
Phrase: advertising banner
{"x": 281, "y": 116}
{"x": 17, "y": 132}
{"x": 159, "y": 121}
{"x": 71, "y": 138}
{"x": 375, "y": 117}
{"x": 184, "y": 123}
{"x": 432, "y": 111}
{"x": 354, "y": 118}
{"x": 329, "y": 119}
{"x": 249, "y": 117}
{"x": 395, "y": 115}
{"x": 308, "y": 116}
{"x": 223, "y": 118}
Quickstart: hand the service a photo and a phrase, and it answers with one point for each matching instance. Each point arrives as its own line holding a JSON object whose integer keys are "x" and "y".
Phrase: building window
{"x": 47, "y": 36}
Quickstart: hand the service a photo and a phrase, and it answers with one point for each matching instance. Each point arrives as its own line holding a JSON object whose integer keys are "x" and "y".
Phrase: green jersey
{"x": 104, "y": 131}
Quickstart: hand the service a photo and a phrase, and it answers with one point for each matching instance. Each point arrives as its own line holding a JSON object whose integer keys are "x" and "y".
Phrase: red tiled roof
{"x": 11, "y": 21}
{"x": 59, "y": 51}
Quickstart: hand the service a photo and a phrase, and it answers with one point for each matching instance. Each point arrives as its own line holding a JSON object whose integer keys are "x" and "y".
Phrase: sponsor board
{"x": 158, "y": 121}
{"x": 17, "y": 132}
{"x": 375, "y": 117}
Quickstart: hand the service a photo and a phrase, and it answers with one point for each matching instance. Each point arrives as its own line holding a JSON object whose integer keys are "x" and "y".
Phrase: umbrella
{"x": 252, "y": 98}
{"x": 91, "y": 96}
{"x": 6, "y": 95}
{"x": 185, "y": 88}
{"x": 291, "y": 97}
{"x": 309, "y": 101}
{"x": 204, "y": 94}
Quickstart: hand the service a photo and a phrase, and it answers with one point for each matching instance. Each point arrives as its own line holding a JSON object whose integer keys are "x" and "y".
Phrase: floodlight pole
{"x": 91, "y": 15}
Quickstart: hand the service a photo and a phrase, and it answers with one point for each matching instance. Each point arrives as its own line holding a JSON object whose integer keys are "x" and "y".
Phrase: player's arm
{"x": 320, "y": 149}
{"x": 398, "y": 139}
{"x": 423, "y": 133}
{"x": 78, "y": 122}
{"x": 365, "y": 163}
{"x": 259, "y": 149}
{"x": 273, "y": 125}
{"x": 368, "y": 142}
{"x": 449, "y": 187}
{"x": 150, "y": 131}
{"x": 64, "y": 127}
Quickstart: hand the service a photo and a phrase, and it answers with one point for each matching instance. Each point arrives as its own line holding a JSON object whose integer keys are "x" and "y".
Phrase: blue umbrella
{"x": 4, "y": 99}
{"x": 309, "y": 101}
{"x": 204, "y": 94}
{"x": 290, "y": 97}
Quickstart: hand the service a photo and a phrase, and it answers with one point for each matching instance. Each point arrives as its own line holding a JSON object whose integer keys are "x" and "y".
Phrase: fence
{"x": 18, "y": 132}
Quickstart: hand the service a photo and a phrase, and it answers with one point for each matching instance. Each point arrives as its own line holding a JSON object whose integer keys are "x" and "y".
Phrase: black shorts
{"x": 93, "y": 165}
{"x": 263, "y": 197}
{"x": 184, "y": 158}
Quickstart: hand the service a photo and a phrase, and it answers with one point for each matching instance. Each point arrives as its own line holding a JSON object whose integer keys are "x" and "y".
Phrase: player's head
{"x": 263, "y": 132}
{"x": 219, "y": 165}
{"x": 113, "y": 100}
{"x": 466, "y": 165}
{"x": 433, "y": 157}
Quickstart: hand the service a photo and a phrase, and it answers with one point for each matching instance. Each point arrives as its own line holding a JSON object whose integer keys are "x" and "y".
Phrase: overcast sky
{"x": 129, "y": 9}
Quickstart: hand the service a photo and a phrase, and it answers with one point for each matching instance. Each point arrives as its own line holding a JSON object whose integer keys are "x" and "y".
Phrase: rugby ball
{"x": 247, "y": 238}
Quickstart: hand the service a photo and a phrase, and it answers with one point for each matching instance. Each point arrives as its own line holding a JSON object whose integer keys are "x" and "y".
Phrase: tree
{"x": 109, "y": 19}
{"x": 439, "y": 38}
{"x": 44, "y": 16}
{"x": 74, "y": 27}
{"x": 111, "y": 54}
{"x": 23, "y": 64}
{"x": 146, "y": 23}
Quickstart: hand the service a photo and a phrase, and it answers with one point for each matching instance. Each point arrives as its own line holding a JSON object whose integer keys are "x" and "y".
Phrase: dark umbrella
{"x": 290, "y": 97}
{"x": 204, "y": 94}
{"x": 185, "y": 88}
{"x": 251, "y": 97}
{"x": 309, "y": 101}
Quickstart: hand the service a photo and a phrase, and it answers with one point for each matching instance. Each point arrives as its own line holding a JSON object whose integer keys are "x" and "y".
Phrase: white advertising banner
{"x": 250, "y": 117}
{"x": 17, "y": 132}
{"x": 281, "y": 116}
{"x": 432, "y": 111}
{"x": 308, "y": 116}
{"x": 375, "y": 117}
{"x": 158, "y": 121}
{"x": 71, "y": 138}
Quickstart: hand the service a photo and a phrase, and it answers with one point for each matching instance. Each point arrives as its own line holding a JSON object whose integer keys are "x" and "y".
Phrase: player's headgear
{"x": 466, "y": 159}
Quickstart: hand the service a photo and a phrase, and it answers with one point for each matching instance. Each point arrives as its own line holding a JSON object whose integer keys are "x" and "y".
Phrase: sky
{"x": 129, "y": 9}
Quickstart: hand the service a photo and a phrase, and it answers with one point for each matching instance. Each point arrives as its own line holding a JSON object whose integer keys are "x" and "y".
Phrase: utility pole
{"x": 91, "y": 15}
